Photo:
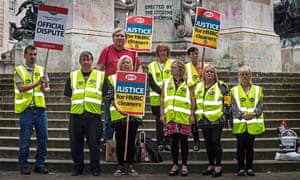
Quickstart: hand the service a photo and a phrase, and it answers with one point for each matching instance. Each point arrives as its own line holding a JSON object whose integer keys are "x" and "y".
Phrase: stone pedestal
{"x": 89, "y": 27}
{"x": 165, "y": 14}
{"x": 247, "y": 36}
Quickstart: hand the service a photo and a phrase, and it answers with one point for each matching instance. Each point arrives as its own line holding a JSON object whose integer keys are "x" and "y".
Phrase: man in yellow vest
{"x": 30, "y": 84}
{"x": 85, "y": 90}
{"x": 193, "y": 76}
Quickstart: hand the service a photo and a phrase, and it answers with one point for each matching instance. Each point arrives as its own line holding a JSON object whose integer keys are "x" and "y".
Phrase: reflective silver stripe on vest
{"x": 92, "y": 100}
{"x": 74, "y": 82}
{"x": 178, "y": 109}
{"x": 235, "y": 120}
{"x": 179, "y": 98}
{"x": 190, "y": 77}
{"x": 244, "y": 109}
{"x": 153, "y": 93}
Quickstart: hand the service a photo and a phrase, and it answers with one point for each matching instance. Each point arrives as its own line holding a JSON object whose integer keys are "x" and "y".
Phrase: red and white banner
{"x": 50, "y": 27}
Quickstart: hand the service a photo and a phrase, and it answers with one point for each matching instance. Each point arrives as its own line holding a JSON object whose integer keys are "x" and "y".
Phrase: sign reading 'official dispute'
{"x": 50, "y": 27}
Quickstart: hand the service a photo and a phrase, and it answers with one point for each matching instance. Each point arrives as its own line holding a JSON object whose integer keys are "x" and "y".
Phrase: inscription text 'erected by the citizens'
{"x": 160, "y": 12}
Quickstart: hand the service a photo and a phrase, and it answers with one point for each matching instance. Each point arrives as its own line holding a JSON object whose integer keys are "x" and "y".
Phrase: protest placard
{"x": 206, "y": 28}
{"x": 139, "y": 33}
{"x": 50, "y": 27}
{"x": 130, "y": 92}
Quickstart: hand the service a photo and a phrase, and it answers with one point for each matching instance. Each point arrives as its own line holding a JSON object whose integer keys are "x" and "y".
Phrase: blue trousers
{"x": 30, "y": 118}
{"x": 108, "y": 130}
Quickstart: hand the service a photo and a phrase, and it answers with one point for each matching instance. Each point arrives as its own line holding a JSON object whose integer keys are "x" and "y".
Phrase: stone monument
{"x": 247, "y": 35}
{"x": 173, "y": 20}
{"x": 287, "y": 25}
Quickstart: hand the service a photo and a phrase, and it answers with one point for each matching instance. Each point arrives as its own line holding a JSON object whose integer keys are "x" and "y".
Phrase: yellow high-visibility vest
{"x": 247, "y": 104}
{"x": 209, "y": 104}
{"x": 86, "y": 95}
{"x": 24, "y": 99}
{"x": 177, "y": 103}
{"x": 158, "y": 77}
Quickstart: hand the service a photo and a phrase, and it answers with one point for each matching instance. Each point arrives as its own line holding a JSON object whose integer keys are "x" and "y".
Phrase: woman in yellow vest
{"x": 119, "y": 123}
{"x": 159, "y": 70}
{"x": 209, "y": 114}
{"x": 248, "y": 118}
{"x": 175, "y": 113}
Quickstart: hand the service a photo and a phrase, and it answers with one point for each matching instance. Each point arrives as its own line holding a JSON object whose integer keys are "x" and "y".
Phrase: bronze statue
{"x": 28, "y": 22}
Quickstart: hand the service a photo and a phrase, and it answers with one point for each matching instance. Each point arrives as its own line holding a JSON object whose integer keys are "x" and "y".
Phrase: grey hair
{"x": 118, "y": 30}
{"x": 86, "y": 53}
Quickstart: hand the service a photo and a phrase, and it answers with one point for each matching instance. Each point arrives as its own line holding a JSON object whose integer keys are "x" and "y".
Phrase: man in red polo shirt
{"x": 107, "y": 62}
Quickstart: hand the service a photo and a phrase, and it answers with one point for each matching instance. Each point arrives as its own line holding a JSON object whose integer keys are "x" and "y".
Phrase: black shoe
{"x": 167, "y": 147}
{"x": 216, "y": 174}
{"x": 41, "y": 169}
{"x": 207, "y": 172}
{"x": 76, "y": 172}
{"x": 25, "y": 170}
{"x": 241, "y": 173}
{"x": 95, "y": 172}
{"x": 250, "y": 173}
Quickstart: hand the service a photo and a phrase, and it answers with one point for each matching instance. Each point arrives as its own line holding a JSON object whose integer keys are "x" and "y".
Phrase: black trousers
{"x": 120, "y": 133}
{"x": 195, "y": 133}
{"x": 161, "y": 139}
{"x": 87, "y": 126}
{"x": 212, "y": 137}
{"x": 245, "y": 146}
{"x": 183, "y": 139}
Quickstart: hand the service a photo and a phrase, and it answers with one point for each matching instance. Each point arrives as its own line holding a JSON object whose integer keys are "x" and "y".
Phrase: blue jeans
{"x": 108, "y": 130}
{"x": 30, "y": 118}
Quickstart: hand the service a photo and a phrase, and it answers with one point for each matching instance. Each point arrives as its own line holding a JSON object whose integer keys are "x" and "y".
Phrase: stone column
{"x": 247, "y": 35}
{"x": 89, "y": 27}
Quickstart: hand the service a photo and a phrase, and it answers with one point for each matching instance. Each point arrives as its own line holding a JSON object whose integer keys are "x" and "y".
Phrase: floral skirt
{"x": 173, "y": 128}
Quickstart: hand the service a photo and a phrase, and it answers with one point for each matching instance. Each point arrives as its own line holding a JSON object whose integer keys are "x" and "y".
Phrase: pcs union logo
{"x": 130, "y": 77}
{"x": 139, "y": 20}
{"x": 208, "y": 14}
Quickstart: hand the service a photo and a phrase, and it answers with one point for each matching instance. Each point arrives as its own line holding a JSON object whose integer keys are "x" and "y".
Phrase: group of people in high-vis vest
{"x": 183, "y": 97}
{"x": 191, "y": 97}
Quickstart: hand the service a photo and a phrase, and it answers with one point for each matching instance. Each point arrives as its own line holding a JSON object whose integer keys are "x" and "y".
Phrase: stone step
{"x": 64, "y": 153}
{"x": 66, "y": 106}
{"x": 195, "y": 167}
{"x": 268, "y": 85}
{"x": 278, "y": 92}
{"x": 269, "y": 114}
{"x": 61, "y": 99}
{"x": 147, "y": 123}
{"x": 63, "y": 142}
{"x": 151, "y": 132}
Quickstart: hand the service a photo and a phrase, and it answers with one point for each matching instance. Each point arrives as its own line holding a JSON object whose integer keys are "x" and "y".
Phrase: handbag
{"x": 145, "y": 156}
{"x": 110, "y": 153}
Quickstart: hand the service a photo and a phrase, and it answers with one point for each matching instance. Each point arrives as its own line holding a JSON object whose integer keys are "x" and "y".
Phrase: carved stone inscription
{"x": 160, "y": 12}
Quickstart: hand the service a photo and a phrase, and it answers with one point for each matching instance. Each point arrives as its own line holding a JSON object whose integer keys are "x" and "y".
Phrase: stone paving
{"x": 15, "y": 175}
